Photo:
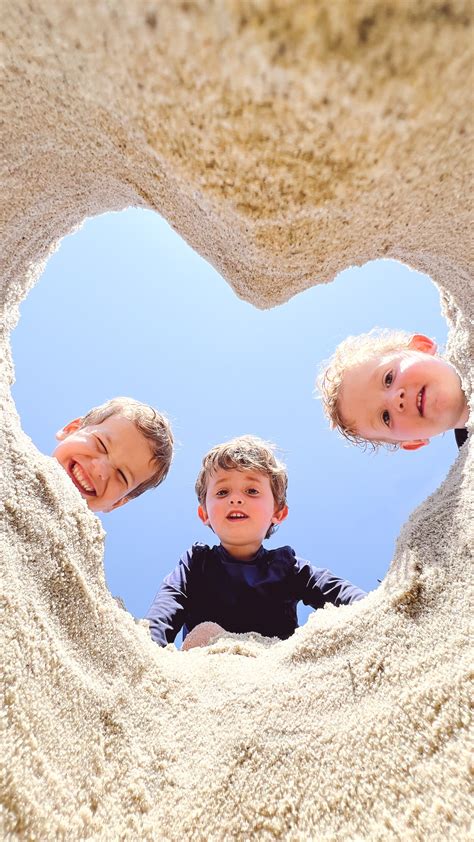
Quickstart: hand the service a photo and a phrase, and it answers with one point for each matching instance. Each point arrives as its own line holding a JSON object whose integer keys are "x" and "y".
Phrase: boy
{"x": 238, "y": 584}
{"x": 390, "y": 387}
{"x": 115, "y": 452}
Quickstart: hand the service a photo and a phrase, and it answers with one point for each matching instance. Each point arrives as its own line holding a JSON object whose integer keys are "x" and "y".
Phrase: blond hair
{"x": 245, "y": 453}
{"x": 153, "y": 425}
{"x": 351, "y": 352}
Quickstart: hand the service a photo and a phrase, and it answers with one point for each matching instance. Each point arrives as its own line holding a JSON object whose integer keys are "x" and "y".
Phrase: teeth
{"x": 418, "y": 400}
{"x": 81, "y": 478}
{"x": 236, "y": 516}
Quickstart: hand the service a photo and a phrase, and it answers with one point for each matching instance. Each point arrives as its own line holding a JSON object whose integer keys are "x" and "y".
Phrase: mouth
{"x": 234, "y": 516}
{"x": 81, "y": 480}
{"x": 420, "y": 401}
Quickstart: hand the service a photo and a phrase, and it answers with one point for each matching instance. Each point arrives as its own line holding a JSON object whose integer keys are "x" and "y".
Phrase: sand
{"x": 285, "y": 141}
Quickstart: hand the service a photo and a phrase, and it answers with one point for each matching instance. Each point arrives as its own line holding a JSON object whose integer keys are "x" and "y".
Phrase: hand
{"x": 202, "y": 635}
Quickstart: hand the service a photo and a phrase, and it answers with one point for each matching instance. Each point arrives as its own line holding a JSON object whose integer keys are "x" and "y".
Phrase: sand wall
{"x": 285, "y": 141}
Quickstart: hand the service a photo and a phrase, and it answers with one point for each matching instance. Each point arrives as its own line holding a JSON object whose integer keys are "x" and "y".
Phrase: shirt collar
{"x": 226, "y": 556}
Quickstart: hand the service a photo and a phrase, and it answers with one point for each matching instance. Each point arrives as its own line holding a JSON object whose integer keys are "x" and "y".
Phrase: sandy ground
{"x": 285, "y": 141}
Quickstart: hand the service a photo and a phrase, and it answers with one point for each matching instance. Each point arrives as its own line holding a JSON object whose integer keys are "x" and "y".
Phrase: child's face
{"x": 240, "y": 508}
{"x": 105, "y": 461}
{"x": 406, "y": 396}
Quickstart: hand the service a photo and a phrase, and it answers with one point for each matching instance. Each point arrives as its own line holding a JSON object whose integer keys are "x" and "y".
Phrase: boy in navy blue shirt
{"x": 238, "y": 584}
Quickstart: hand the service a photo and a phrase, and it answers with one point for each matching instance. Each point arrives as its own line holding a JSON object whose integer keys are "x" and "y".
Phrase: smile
{"x": 420, "y": 401}
{"x": 80, "y": 479}
{"x": 236, "y": 516}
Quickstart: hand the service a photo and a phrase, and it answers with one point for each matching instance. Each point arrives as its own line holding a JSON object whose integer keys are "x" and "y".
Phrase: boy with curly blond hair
{"x": 238, "y": 584}
{"x": 391, "y": 387}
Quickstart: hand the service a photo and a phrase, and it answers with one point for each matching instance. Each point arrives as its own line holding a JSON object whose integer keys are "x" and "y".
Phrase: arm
{"x": 167, "y": 612}
{"x": 317, "y": 585}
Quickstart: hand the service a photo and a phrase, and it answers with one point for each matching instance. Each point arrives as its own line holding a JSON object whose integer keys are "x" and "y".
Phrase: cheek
{"x": 266, "y": 511}
{"x": 212, "y": 509}
{"x": 95, "y": 506}
{"x": 61, "y": 453}
{"x": 424, "y": 369}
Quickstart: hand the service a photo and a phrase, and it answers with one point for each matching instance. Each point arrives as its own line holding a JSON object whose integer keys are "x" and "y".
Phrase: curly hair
{"x": 153, "y": 425}
{"x": 351, "y": 352}
{"x": 245, "y": 453}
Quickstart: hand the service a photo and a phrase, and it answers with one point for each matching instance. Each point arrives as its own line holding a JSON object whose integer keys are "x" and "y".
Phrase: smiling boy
{"x": 238, "y": 584}
{"x": 391, "y": 387}
{"x": 115, "y": 452}
{"x": 240, "y": 508}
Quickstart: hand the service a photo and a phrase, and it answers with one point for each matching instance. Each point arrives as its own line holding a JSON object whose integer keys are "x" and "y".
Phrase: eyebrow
{"x": 377, "y": 423}
{"x": 127, "y": 469}
{"x": 248, "y": 477}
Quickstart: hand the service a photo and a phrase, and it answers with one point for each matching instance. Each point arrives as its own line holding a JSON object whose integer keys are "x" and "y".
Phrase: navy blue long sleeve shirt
{"x": 258, "y": 595}
{"x": 461, "y": 436}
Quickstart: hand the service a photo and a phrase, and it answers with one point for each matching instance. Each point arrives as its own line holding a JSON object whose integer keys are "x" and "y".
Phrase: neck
{"x": 242, "y": 553}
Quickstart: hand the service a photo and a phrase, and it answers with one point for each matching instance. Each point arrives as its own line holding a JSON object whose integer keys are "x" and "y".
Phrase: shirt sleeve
{"x": 461, "y": 435}
{"x": 317, "y": 585}
{"x": 167, "y": 612}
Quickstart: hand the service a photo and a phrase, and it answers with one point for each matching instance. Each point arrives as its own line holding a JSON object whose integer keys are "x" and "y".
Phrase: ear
{"x": 280, "y": 516}
{"x": 414, "y": 445}
{"x": 419, "y": 342}
{"x": 68, "y": 429}
{"x": 202, "y": 515}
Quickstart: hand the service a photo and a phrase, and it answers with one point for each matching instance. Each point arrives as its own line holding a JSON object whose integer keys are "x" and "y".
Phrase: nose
{"x": 101, "y": 467}
{"x": 398, "y": 400}
{"x": 236, "y": 498}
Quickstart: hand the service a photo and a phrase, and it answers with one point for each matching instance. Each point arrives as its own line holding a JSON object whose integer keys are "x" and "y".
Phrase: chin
{"x": 93, "y": 505}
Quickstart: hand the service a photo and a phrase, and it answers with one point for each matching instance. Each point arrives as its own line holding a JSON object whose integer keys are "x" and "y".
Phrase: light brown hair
{"x": 153, "y": 425}
{"x": 245, "y": 453}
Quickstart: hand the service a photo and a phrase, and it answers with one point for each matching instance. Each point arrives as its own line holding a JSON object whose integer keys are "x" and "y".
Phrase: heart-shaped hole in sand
{"x": 126, "y": 307}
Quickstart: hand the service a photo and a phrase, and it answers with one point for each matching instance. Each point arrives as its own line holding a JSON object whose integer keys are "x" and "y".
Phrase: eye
{"x": 101, "y": 444}
{"x": 388, "y": 379}
{"x": 122, "y": 477}
{"x": 222, "y": 492}
{"x": 252, "y": 491}
{"x": 386, "y": 417}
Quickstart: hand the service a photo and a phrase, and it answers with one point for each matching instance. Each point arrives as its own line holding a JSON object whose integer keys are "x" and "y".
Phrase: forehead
{"x": 359, "y": 384}
{"x": 220, "y": 476}
{"x": 126, "y": 441}
{"x": 362, "y": 372}
{"x": 116, "y": 426}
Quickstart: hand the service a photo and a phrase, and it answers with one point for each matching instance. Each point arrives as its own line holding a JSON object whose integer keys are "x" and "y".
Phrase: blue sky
{"x": 125, "y": 307}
